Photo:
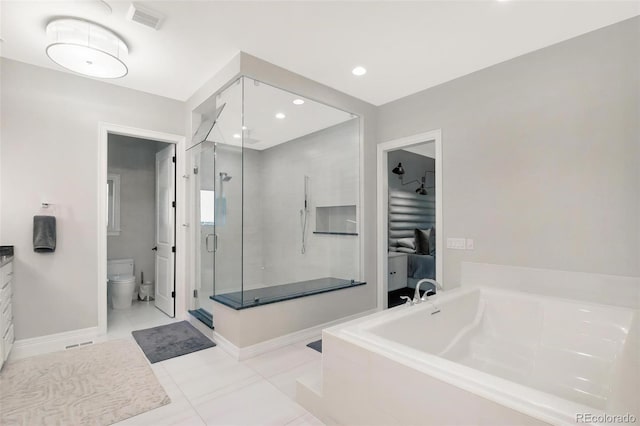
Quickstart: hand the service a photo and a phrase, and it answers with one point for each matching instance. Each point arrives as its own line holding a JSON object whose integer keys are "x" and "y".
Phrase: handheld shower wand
{"x": 304, "y": 214}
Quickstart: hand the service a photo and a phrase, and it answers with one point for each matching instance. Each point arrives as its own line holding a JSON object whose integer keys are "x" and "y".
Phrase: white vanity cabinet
{"x": 6, "y": 311}
{"x": 397, "y": 271}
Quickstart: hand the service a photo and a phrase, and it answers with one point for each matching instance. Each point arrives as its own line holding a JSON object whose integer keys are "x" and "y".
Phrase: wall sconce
{"x": 422, "y": 188}
{"x": 398, "y": 170}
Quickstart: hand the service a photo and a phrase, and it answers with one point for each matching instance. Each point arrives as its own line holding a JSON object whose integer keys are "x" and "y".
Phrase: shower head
{"x": 224, "y": 177}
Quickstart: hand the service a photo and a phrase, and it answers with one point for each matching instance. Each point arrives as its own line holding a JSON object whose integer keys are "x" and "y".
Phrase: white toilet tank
{"x": 121, "y": 267}
{"x": 122, "y": 283}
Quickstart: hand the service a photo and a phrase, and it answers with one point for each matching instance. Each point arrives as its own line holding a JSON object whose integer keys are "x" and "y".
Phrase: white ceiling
{"x": 406, "y": 46}
{"x": 427, "y": 149}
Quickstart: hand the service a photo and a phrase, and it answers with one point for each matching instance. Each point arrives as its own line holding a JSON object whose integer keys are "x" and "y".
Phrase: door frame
{"x": 104, "y": 130}
{"x": 382, "y": 193}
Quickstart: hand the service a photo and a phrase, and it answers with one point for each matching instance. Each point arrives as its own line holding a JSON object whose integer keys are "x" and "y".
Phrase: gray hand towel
{"x": 44, "y": 234}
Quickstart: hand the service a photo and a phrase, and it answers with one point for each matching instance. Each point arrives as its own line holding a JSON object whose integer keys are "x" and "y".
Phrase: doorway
{"x": 410, "y": 224}
{"x": 140, "y": 231}
{"x": 141, "y": 237}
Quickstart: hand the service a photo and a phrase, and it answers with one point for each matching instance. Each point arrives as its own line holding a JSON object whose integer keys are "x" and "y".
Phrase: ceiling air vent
{"x": 145, "y": 16}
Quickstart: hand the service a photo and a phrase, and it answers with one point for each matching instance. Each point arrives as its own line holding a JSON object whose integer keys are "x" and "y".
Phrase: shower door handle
{"x": 206, "y": 243}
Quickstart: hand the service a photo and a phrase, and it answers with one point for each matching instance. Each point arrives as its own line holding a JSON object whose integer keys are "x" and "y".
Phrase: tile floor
{"x": 210, "y": 387}
{"x": 120, "y": 323}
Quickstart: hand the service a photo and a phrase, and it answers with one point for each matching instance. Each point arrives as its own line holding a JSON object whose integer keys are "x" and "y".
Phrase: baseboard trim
{"x": 310, "y": 333}
{"x": 226, "y": 345}
{"x": 54, "y": 342}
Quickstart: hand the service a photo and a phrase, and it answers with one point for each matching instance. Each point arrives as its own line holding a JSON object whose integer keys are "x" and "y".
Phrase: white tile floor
{"x": 120, "y": 323}
{"x": 209, "y": 387}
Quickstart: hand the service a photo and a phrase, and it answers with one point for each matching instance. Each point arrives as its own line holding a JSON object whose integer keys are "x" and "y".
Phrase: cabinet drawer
{"x": 5, "y": 296}
{"x": 6, "y": 273}
{"x": 7, "y": 317}
{"x": 397, "y": 271}
{"x": 7, "y": 342}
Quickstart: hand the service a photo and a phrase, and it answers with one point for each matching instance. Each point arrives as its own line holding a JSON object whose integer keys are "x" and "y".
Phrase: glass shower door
{"x": 218, "y": 161}
{"x": 204, "y": 192}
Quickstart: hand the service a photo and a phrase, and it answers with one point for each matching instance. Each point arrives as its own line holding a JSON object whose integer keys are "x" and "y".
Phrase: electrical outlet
{"x": 469, "y": 244}
{"x": 456, "y": 243}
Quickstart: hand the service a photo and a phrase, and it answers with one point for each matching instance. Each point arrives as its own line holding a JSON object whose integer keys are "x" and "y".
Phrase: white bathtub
{"x": 487, "y": 357}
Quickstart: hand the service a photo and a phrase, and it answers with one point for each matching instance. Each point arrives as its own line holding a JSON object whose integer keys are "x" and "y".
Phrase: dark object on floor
{"x": 317, "y": 345}
{"x": 44, "y": 234}
{"x": 203, "y": 316}
{"x": 171, "y": 340}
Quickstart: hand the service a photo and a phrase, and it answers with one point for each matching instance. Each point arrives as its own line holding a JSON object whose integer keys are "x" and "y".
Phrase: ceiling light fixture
{"x": 298, "y": 101}
{"x": 280, "y": 116}
{"x": 359, "y": 71}
{"x": 86, "y": 48}
{"x": 237, "y": 136}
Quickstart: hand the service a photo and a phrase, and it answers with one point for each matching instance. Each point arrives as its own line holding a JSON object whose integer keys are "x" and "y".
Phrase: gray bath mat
{"x": 170, "y": 341}
{"x": 317, "y": 345}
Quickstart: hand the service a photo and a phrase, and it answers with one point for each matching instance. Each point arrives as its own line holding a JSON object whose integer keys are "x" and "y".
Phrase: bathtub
{"x": 484, "y": 356}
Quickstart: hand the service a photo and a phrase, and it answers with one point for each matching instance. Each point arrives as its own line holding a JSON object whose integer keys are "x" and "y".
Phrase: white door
{"x": 165, "y": 232}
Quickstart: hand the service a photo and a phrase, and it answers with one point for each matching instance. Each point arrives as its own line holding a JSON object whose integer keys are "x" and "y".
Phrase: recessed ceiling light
{"x": 359, "y": 71}
{"x": 280, "y": 116}
{"x": 237, "y": 135}
{"x": 86, "y": 48}
{"x": 298, "y": 101}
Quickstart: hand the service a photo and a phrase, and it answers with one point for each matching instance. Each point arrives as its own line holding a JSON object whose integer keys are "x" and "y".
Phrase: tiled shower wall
{"x": 274, "y": 196}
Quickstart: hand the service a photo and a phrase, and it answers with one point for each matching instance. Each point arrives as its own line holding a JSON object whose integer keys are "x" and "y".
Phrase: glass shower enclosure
{"x": 276, "y": 194}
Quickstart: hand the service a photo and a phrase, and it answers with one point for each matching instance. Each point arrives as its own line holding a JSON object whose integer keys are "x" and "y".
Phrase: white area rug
{"x": 93, "y": 385}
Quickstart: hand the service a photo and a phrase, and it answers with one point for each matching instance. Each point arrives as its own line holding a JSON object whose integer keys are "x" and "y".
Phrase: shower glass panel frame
{"x": 277, "y": 166}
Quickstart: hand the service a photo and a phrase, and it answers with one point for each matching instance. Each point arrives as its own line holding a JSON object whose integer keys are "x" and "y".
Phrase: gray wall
{"x": 49, "y": 152}
{"x": 540, "y": 155}
{"x": 135, "y": 161}
{"x": 414, "y": 165}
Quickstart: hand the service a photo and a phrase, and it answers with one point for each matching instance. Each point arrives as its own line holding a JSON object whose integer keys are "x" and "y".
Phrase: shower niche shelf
{"x": 336, "y": 220}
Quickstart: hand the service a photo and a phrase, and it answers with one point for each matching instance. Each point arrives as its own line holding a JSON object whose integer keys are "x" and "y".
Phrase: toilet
{"x": 122, "y": 283}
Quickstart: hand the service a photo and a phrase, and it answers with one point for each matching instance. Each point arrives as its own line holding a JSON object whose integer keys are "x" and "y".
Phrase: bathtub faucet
{"x": 416, "y": 296}
{"x": 408, "y": 300}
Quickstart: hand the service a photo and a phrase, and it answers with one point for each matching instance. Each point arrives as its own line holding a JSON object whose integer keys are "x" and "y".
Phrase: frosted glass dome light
{"x": 86, "y": 48}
